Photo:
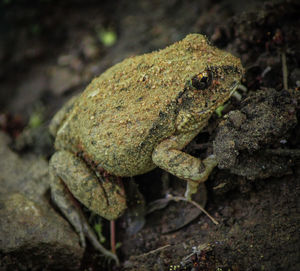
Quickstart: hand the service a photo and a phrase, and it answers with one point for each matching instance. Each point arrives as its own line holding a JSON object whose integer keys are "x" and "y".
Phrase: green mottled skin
{"x": 139, "y": 114}
{"x": 124, "y": 113}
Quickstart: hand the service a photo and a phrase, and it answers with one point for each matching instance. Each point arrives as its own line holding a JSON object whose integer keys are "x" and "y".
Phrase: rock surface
{"x": 247, "y": 138}
{"x": 32, "y": 234}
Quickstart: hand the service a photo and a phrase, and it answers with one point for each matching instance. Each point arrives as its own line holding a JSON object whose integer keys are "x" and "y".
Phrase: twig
{"x": 178, "y": 198}
{"x": 155, "y": 250}
{"x": 113, "y": 236}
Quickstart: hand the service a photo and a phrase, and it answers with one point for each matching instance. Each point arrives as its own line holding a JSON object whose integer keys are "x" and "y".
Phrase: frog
{"x": 138, "y": 115}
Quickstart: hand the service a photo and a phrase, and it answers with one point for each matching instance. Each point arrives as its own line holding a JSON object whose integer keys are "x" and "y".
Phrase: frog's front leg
{"x": 168, "y": 156}
{"x": 70, "y": 176}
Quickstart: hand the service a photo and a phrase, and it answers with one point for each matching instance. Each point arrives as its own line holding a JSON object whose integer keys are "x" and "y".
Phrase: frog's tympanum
{"x": 136, "y": 116}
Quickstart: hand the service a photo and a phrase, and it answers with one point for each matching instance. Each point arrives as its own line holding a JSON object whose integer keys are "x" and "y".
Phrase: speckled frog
{"x": 136, "y": 116}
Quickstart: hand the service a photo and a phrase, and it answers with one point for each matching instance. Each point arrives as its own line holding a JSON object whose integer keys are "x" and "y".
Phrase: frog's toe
{"x": 191, "y": 188}
{"x": 89, "y": 233}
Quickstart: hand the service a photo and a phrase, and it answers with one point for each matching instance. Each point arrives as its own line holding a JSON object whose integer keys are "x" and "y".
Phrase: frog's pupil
{"x": 201, "y": 81}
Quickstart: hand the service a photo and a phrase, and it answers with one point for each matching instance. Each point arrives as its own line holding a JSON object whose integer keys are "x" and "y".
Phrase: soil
{"x": 50, "y": 51}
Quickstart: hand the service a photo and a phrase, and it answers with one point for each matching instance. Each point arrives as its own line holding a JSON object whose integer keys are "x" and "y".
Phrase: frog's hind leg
{"x": 70, "y": 176}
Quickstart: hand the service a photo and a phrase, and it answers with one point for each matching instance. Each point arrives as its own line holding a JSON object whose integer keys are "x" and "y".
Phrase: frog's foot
{"x": 70, "y": 208}
{"x": 167, "y": 155}
{"x": 192, "y": 187}
{"x": 70, "y": 177}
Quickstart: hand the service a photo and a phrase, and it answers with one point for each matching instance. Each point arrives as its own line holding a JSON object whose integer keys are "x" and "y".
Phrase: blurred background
{"x": 51, "y": 49}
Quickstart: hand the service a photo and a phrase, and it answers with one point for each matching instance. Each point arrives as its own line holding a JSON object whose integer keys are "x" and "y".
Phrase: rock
{"x": 32, "y": 234}
{"x": 246, "y": 140}
{"x": 63, "y": 79}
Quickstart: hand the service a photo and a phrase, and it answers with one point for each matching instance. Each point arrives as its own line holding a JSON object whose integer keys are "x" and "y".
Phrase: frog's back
{"x": 123, "y": 114}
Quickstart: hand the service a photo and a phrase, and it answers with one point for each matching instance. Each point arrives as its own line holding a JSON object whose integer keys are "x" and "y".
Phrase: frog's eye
{"x": 202, "y": 80}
